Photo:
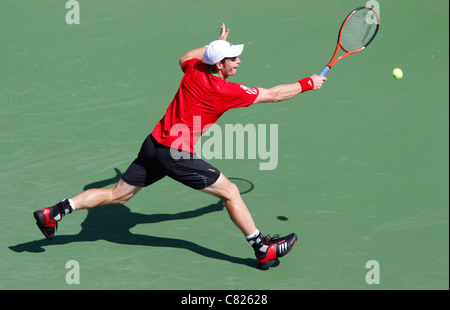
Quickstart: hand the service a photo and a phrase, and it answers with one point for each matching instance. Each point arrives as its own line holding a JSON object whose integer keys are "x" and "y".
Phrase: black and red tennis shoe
{"x": 46, "y": 224}
{"x": 47, "y": 219}
{"x": 274, "y": 247}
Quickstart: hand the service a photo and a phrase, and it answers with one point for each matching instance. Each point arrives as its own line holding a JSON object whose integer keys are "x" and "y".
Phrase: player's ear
{"x": 219, "y": 66}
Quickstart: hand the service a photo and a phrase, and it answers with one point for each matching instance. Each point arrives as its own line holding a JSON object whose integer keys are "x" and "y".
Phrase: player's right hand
{"x": 318, "y": 81}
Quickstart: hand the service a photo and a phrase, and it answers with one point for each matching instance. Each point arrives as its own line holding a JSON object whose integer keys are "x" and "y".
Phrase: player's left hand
{"x": 224, "y": 32}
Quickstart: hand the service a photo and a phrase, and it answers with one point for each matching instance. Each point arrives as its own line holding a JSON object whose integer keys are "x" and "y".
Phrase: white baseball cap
{"x": 219, "y": 49}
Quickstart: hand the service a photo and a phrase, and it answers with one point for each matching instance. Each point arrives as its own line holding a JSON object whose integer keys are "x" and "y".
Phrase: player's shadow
{"x": 113, "y": 223}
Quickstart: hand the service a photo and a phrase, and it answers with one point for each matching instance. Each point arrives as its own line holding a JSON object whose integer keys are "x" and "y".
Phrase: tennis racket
{"x": 357, "y": 31}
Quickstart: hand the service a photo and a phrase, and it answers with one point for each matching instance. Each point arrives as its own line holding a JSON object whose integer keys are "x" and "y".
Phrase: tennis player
{"x": 204, "y": 94}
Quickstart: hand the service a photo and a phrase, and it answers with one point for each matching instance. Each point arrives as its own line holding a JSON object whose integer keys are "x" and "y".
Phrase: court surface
{"x": 362, "y": 170}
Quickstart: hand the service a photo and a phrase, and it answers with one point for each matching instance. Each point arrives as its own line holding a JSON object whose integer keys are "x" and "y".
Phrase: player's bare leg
{"x": 47, "y": 219}
{"x": 119, "y": 194}
{"x": 224, "y": 189}
{"x": 267, "y": 249}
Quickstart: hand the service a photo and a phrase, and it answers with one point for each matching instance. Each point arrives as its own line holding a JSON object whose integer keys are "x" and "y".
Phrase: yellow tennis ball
{"x": 397, "y": 73}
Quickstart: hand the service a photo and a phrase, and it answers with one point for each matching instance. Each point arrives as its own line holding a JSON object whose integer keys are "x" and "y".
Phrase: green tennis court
{"x": 362, "y": 171}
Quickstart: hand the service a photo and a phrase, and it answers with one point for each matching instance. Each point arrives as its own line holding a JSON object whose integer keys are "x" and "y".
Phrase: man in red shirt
{"x": 203, "y": 96}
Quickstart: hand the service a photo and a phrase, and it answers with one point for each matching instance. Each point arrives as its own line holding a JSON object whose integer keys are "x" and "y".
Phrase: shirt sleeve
{"x": 237, "y": 95}
{"x": 189, "y": 63}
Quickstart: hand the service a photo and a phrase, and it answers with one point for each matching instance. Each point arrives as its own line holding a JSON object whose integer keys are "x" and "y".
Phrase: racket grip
{"x": 325, "y": 71}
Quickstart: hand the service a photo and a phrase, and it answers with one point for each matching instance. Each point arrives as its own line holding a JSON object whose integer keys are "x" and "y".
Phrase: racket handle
{"x": 325, "y": 71}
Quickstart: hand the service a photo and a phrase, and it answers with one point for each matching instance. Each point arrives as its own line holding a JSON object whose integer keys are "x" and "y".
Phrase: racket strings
{"x": 357, "y": 31}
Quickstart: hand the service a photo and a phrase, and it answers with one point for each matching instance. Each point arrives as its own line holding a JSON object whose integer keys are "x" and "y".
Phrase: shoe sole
{"x": 39, "y": 216}
{"x": 40, "y": 222}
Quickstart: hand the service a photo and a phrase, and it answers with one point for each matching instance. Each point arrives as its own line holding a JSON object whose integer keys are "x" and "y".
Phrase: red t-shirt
{"x": 201, "y": 99}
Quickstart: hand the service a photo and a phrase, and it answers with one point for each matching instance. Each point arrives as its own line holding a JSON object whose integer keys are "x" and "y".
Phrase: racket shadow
{"x": 113, "y": 223}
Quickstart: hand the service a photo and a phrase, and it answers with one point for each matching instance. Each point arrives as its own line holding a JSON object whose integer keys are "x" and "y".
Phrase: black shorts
{"x": 155, "y": 161}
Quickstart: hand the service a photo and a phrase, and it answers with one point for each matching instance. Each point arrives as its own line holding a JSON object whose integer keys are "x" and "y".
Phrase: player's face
{"x": 230, "y": 66}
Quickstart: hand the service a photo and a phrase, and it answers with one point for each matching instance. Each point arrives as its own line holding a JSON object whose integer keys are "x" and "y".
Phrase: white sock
{"x": 254, "y": 235}
{"x": 72, "y": 206}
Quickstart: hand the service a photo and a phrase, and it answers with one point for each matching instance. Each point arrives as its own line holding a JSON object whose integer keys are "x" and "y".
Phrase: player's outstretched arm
{"x": 287, "y": 91}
